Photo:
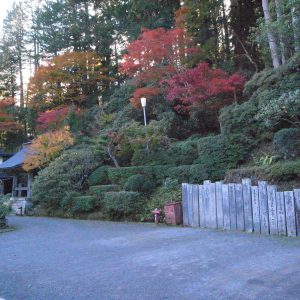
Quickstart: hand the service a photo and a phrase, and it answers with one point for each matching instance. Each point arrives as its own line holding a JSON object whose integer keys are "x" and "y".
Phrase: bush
{"x": 64, "y": 175}
{"x": 281, "y": 111}
{"x": 139, "y": 183}
{"x": 286, "y": 143}
{"x": 99, "y": 176}
{"x": 169, "y": 192}
{"x": 99, "y": 190}
{"x": 151, "y": 158}
{"x": 119, "y": 205}
{"x": 278, "y": 172}
{"x": 240, "y": 119}
{"x": 183, "y": 153}
{"x": 4, "y": 210}
{"x": 74, "y": 202}
{"x": 84, "y": 204}
{"x": 180, "y": 173}
{"x": 121, "y": 175}
{"x": 217, "y": 154}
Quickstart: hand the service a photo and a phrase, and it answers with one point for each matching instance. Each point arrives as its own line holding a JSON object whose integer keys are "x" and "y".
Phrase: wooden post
{"x": 190, "y": 204}
{"x": 272, "y": 209}
{"x": 247, "y": 205}
{"x": 281, "y": 219}
{"x": 210, "y": 204}
{"x": 290, "y": 213}
{"x": 29, "y": 184}
{"x": 226, "y": 206}
{"x": 239, "y": 207}
{"x": 202, "y": 207}
{"x": 232, "y": 205}
{"x": 195, "y": 205}
{"x": 14, "y": 185}
{"x": 255, "y": 209}
{"x": 263, "y": 207}
{"x": 297, "y": 208}
{"x": 184, "y": 196}
{"x": 219, "y": 201}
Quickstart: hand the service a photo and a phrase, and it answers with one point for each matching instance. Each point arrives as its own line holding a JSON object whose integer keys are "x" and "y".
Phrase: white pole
{"x": 144, "y": 104}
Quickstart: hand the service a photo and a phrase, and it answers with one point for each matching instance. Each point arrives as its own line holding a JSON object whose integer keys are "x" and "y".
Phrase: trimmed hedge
{"x": 98, "y": 190}
{"x": 240, "y": 118}
{"x": 119, "y": 205}
{"x": 121, "y": 175}
{"x": 139, "y": 183}
{"x": 220, "y": 153}
{"x": 278, "y": 172}
{"x": 84, "y": 203}
{"x": 187, "y": 173}
{"x": 286, "y": 143}
{"x": 99, "y": 176}
{"x": 179, "y": 153}
{"x": 74, "y": 203}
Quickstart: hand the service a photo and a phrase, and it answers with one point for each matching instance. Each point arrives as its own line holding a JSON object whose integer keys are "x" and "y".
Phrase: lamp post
{"x": 144, "y": 104}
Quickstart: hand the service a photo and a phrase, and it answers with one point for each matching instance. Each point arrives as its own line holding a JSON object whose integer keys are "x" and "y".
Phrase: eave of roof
{"x": 16, "y": 160}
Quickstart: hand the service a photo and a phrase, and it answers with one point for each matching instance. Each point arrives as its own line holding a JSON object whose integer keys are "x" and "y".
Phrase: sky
{"x": 4, "y": 6}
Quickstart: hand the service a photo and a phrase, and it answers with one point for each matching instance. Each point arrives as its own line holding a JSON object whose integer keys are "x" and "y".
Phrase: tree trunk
{"x": 21, "y": 80}
{"x": 281, "y": 36}
{"x": 271, "y": 36}
{"x": 226, "y": 32}
{"x": 296, "y": 28}
{"x": 112, "y": 157}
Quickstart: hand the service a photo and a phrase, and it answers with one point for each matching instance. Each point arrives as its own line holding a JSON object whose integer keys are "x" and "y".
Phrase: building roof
{"x": 16, "y": 160}
{"x": 5, "y": 154}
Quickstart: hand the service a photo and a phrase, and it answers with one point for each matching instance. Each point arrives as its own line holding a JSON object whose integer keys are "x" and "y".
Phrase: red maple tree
{"x": 157, "y": 54}
{"x": 52, "y": 119}
{"x": 196, "y": 86}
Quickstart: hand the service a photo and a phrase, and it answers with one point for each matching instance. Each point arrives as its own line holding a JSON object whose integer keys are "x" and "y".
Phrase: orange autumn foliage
{"x": 47, "y": 147}
{"x": 148, "y": 92}
{"x": 66, "y": 79}
{"x": 7, "y": 121}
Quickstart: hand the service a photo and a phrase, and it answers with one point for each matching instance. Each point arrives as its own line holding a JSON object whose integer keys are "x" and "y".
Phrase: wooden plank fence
{"x": 243, "y": 207}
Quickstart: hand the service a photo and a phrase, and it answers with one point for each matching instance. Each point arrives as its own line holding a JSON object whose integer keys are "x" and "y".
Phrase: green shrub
{"x": 65, "y": 174}
{"x": 151, "y": 158}
{"x": 217, "y": 154}
{"x": 4, "y": 210}
{"x": 283, "y": 171}
{"x": 169, "y": 192}
{"x": 199, "y": 173}
{"x": 240, "y": 118}
{"x": 121, "y": 175}
{"x": 179, "y": 153}
{"x": 139, "y": 183}
{"x": 99, "y": 176}
{"x": 73, "y": 203}
{"x": 281, "y": 111}
{"x": 183, "y": 153}
{"x": 180, "y": 173}
{"x": 286, "y": 143}
{"x": 84, "y": 204}
{"x": 99, "y": 190}
{"x": 119, "y": 205}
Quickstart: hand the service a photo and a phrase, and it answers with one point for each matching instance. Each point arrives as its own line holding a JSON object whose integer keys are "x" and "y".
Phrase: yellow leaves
{"x": 47, "y": 147}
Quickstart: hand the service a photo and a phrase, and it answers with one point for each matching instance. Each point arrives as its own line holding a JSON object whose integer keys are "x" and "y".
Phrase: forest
{"x": 221, "y": 80}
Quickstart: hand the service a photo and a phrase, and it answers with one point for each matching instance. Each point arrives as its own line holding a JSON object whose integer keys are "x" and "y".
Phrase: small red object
{"x": 173, "y": 213}
{"x": 156, "y": 212}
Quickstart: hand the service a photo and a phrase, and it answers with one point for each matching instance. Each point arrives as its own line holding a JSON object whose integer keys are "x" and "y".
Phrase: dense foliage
{"x": 220, "y": 78}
